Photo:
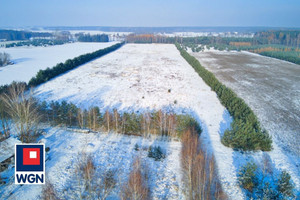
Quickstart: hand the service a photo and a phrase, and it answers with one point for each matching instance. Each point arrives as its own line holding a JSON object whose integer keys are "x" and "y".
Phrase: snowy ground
{"x": 138, "y": 77}
{"x": 271, "y": 88}
{"x": 29, "y": 60}
{"x": 110, "y": 152}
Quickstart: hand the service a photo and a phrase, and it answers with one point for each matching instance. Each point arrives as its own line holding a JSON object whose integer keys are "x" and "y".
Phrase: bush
{"x": 4, "y": 59}
{"x": 284, "y": 184}
{"x": 136, "y": 147}
{"x": 255, "y": 181}
{"x": 156, "y": 153}
{"x": 247, "y": 176}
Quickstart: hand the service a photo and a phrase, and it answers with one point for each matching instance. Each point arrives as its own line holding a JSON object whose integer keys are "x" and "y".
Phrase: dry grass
{"x": 49, "y": 192}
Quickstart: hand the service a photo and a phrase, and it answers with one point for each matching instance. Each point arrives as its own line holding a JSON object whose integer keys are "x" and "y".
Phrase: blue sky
{"x": 272, "y": 13}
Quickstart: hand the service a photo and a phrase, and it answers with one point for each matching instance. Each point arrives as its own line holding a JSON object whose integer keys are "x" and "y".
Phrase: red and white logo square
{"x": 31, "y": 156}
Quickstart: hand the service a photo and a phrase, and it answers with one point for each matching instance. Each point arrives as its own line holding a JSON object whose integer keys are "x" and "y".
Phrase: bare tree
{"x": 200, "y": 175}
{"x": 116, "y": 118}
{"x": 136, "y": 188}
{"x": 107, "y": 120}
{"x": 4, "y": 59}
{"x": 106, "y": 184}
{"x": 23, "y": 110}
{"x": 4, "y": 121}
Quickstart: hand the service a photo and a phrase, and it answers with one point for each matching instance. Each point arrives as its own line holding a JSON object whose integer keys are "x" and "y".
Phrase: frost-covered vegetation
{"x": 91, "y": 183}
{"x": 200, "y": 175}
{"x": 245, "y": 132}
{"x": 260, "y": 182}
{"x": 4, "y": 59}
{"x": 143, "y": 124}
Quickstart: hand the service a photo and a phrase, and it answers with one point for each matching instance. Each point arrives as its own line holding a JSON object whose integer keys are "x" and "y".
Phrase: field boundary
{"x": 246, "y": 133}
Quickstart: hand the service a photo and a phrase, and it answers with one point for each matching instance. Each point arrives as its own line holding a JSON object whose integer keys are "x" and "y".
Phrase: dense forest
{"x": 92, "y": 38}
{"x": 288, "y": 38}
{"x": 11, "y": 35}
{"x": 245, "y": 132}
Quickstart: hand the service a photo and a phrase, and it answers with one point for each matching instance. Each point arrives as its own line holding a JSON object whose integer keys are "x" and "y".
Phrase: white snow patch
{"x": 29, "y": 60}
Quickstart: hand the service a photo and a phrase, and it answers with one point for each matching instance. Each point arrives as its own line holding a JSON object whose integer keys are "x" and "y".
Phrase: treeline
{"x": 18, "y": 105}
{"x": 264, "y": 46}
{"x": 21, "y": 35}
{"x": 245, "y": 132}
{"x": 149, "y": 38}
{"x": 49, "y": 73}
{"x": 293, "y": 57}
{"x": 37, "y": 42}
{"x": 92, "y": 38}
{"x": 288, "y": 38}
{"x": 144, "y": 124}
{"x": 275, "y": 51}
{"x": 7, "y": 87}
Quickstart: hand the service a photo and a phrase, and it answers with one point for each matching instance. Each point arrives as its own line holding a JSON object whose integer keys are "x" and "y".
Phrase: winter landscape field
{"x": 269, "y": 86}
{"x": 29, "y": 60}
{"x": 143, "y": 78}
{"x": 138, "y": 78}
{"x": 150, "y": 100}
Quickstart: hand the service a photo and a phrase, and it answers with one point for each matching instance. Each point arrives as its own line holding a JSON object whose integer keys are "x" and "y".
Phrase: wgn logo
{"x": 30, "y": 164}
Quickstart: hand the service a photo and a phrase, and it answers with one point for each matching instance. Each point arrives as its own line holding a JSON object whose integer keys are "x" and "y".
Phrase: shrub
{"x": 256, "y": 181}
{"x": 156, "y": 153}
{"x": 247, "y": 176}
{"x": 136, "y": 147}
{"x": 4, "y": 59}
{"x": 284, "y": 184}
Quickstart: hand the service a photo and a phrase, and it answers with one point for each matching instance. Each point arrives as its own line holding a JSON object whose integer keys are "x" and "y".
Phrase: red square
{"x": 31, "y": 156}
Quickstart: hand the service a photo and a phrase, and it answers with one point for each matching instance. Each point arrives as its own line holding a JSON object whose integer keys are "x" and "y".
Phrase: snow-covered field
{"x": 138, "y": 77}
{"x": 109, "y": 152}
{"x": 271, "y": 88}
{"x": 29, "y": 60}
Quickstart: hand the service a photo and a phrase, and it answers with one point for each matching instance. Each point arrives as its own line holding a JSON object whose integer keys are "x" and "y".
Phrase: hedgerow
{"x": 245, "y": 133}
